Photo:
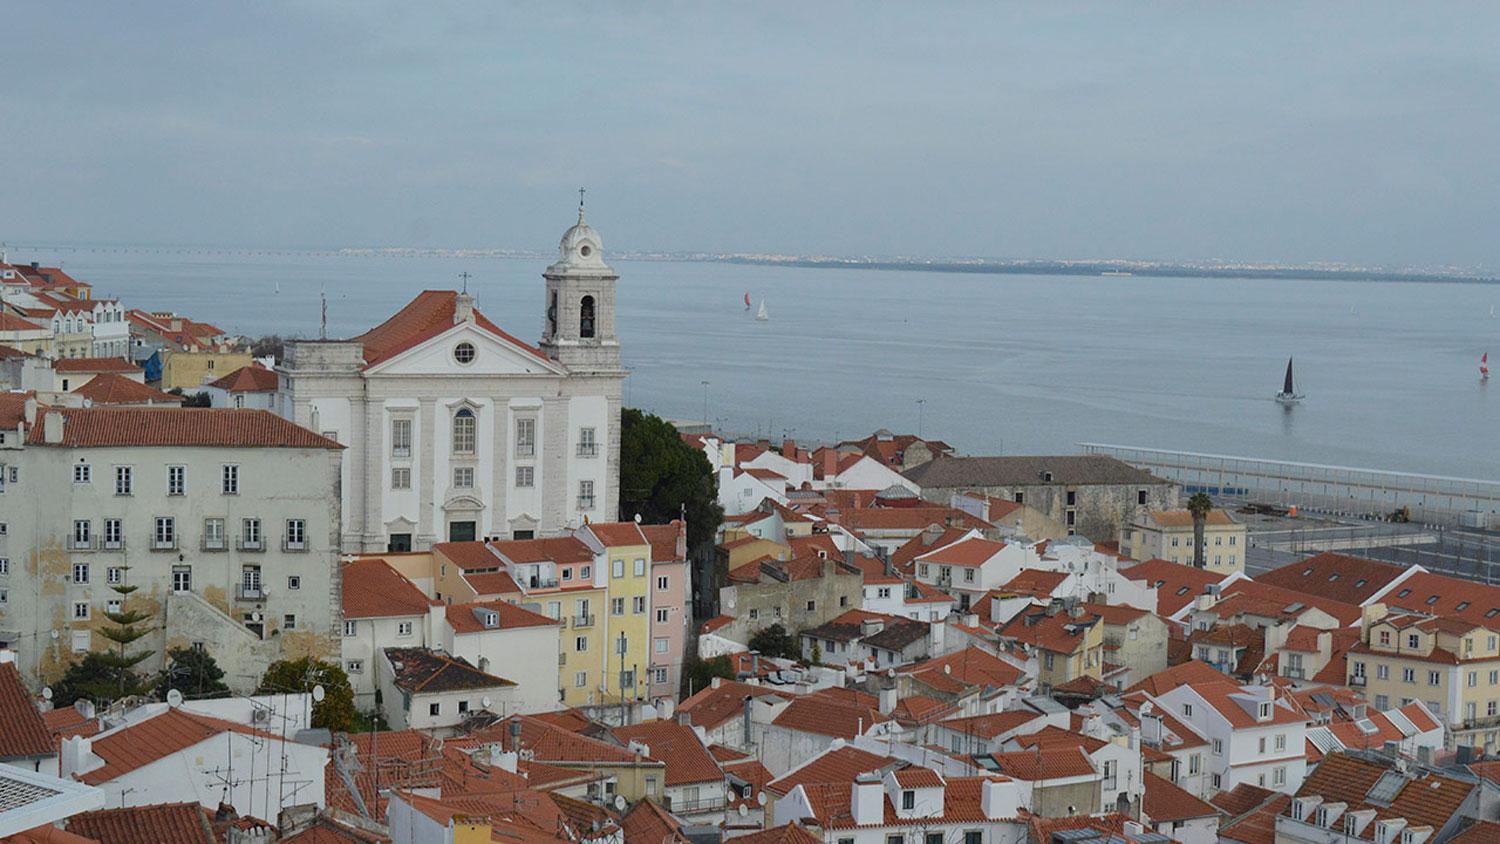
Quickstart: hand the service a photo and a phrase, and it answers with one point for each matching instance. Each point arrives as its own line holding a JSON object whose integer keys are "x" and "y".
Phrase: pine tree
{"x": 120, "y": 680}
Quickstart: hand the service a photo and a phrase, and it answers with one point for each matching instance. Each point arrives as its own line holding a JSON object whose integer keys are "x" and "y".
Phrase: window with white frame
{"x": 80, "y": 610}
{"x": 4, "y": 565}
{"x": 213, "y": 533}
{"x": 350, "y": 627}
{"x": 400, "y": 437}
{"x": 176, "y": 480}
{"x": 114, "y": 575}
{"x": 182, "y": 579}
{"x": 400, "y": 477}
{"x": 82, "y": 533}
{"x": 124, "y": 480}
{"x": 661, "y": 583}
{"x": 463, "y": 431}
{"x": 463, "y": 477}
{"x": 587, "y": 447}
{"x": 354, "y": 666}
{"x": 525, "y": 436}
{"x": 525, "y": 476}
{"x": 80, "y": 572}
{"x": 661, "y": 616}
{"x": 83, "y": 473}
{"x": 293, "y": 582}
{"x": 296, "y": 534}
{"x": 114, "y": 533}
{"x": 403, "y": 628}
{"x": 640, "y": 567}
{"x": 289, "y": 621}
{"x": 250, "y": 536}
{"x": 585, "y": 495}
{"x": 638, "y": 604}
{"x": 230, "y": 479}
{"x": 165, "y": 535}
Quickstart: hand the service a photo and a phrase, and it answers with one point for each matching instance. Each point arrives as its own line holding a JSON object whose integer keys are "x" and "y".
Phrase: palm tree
{"x": 1200, "y": 505}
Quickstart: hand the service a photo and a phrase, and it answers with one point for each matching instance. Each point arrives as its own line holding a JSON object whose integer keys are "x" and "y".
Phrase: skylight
{"x": 1385, "y": 789}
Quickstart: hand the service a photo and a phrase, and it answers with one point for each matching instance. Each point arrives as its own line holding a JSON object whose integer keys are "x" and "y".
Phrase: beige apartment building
{"x": 1451, "y": 665}
{"x": 1168, "y": 535}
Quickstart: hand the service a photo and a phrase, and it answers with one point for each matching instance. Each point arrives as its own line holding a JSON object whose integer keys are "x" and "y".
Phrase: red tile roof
{"x": 552, "y": 744}
{"x": 1176, "y": 585}
{"x": 967, "y": 553}
{"x": 162, "y": 823}
{"x": 372, "y": 589}
{"x": 1191, "y": 672}
{"x": 422, "y": 319}
{"x": 1060, "y": 633}
{"x": 11, "y": 322}
{"x": 1423, "y": 799}
{"x": 463, "y": 619}
{"x": 94, "y": 365}
{"x": 419, "y": 670}
{"x": 1225, "y": 696}
{"x": 617, "y": 534}
{"x": 491, "y": 583}
{"x": 248, "y": 379}
{"x": 647, "y": 821}
{"x": 23, "y": 732}
{"x": 664, "y": 541}
{"x": 139, "y": 744}
{"x": 993, "y": 724}
{"x": 1339, "y": 577}
{"x": 792, "y": 833}
{"x": 559, "y": 549}
{"x": 834, "y": 766}
{"x": 1440, "y": 595}
{"x": 181, "y": 427}
{"x": 831, "y": 805}
{"x": 1045, "y": 764}
{"x": 1259, "y": 826}
{"x": 908, "y": 518}
{"x": 826, "y": 716}
{"x": 713, "y": 706}
{"x": 1166, "y": 801}
{"x": 678, "y": 747}
{"x": 1035, "y": 582}
{"x": 1241, "y": 799}
{"x": 110, "y": 388}
{"x": 971, "y": 666}
{"x": 718, "y": 622}
{"x": 1287, "y": 599}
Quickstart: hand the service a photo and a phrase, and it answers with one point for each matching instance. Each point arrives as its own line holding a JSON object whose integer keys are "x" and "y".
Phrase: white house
{"x": 457, "y": 430}
{"x": 1256, "y": 734}
{"x": 511, "y": 641}
{"x": 251, "y": 386}
{"x": 742, "y": 490}
{"x": 880, "y": 809}
{"x": 428, "y": 690}
{"x": 972, "y": 567}
{"x": 382, "y": 609}
{"x": 175, "y": 756}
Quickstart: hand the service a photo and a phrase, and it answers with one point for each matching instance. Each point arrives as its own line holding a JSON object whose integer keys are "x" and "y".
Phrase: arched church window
{"x": 552, "y": 315}
{"x": 586, "y": 317}
{"x": 463, "y": 431}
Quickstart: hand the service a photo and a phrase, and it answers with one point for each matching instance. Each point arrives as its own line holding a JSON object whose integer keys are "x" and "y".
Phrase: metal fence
{"x": 1337, "y": 490}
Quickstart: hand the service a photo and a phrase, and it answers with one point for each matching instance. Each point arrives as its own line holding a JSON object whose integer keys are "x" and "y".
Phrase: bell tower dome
{"x": 578, "y": 328}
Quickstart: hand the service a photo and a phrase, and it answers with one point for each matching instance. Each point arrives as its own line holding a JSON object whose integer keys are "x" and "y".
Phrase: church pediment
{"x": 467, "y": 349}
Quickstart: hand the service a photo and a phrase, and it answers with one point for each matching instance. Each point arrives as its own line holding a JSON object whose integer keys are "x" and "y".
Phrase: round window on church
{"x": 585, "y": 250}
{"x": 464, "y": 353}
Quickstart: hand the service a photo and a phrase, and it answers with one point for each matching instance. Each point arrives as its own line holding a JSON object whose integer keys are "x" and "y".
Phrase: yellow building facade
{"x": 1168, "y": 535}
{"x": 191, "y": 370}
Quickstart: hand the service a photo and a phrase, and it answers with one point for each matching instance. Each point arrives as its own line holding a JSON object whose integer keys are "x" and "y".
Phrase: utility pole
{"x": 621, "y": 649}
{"x": 920, "y": 402}
{"x": 705, "y": 401}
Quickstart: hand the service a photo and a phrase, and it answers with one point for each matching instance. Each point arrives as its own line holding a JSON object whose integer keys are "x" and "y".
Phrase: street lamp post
{"x": 705, "y": 401}
{"x": 920, "y": 402}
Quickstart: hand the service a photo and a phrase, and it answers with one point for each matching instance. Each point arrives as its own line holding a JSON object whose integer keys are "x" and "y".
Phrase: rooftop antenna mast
{"x": 465, "y": 276}
{"x": 323, "y": 328}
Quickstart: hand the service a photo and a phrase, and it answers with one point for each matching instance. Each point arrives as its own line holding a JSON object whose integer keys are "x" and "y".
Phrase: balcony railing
{"x": 251, "y": 593}
{"x": 294, "y": 545}
{"x": 1480, "y": 721}
{"x": 160, "y": 544}
{"x": 214, "y": 543}
{"x": 585, "y": 502}
{"x": 535, "y": 582}
{"x": 250, "y": 544}
{"x": 701, "y": 804}
{"x": 113, "y": 544}
{"x": 588, "y": 450}
{"x": 583, "y": 621}
{"x": 1293, "y": 673}
{"x": 1357, "y": 680}
{"x": 525, "y": 449}
{"x": 76, "y": 544}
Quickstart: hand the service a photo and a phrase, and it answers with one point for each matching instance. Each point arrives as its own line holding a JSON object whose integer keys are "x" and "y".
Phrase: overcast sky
{"x": 1357, "y": 133}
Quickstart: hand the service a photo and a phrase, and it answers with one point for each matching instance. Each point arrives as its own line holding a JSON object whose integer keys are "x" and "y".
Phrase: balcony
{"x": 585, "y": 502}
{"x": 700, "y": 804}
{"x": 1293, "y": 673}
{"x": 251, "y": 593}
{"x": 250, "y": 545}
{"x": 113, "y": 544}
{"x": 76, "y": 544}
{"x": 1479, "y": 722}
{"x": 214, "y": 543}
{"x": 164, "y": 543}
{"x": 1357, "y": 680}
{"x": 535, "y": 582}
{"x": 525, "y": 450}
{"x": 588, "y": 449}
{"x": 583, "y": 621}
{"x": 294, "y": 545}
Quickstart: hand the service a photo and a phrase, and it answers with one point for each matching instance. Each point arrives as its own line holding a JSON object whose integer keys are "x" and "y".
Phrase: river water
{"x": 991, "y": 363}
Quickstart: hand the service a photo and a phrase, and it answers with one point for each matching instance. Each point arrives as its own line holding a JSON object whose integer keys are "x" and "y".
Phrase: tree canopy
{"x": 193, "y": 672}
{"x": 697, "y": 674}
{"x": 661, "y": 477}
{"x": 336, "y": 711}
{"x": 775, "y": 641}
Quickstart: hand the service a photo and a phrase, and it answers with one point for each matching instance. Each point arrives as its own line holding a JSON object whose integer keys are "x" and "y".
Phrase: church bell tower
{"x": 578, "y": 330}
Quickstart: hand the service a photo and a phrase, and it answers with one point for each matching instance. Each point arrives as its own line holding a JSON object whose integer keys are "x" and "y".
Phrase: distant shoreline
{"x": 1106, "y": 268}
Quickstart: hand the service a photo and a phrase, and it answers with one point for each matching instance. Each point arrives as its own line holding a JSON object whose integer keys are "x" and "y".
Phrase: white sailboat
{"x": 761, "y": 314}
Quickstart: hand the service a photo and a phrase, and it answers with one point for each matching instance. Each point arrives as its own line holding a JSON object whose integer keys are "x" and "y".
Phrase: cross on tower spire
{"x": 465, "y": 276}
{"x": 580, "y": 204}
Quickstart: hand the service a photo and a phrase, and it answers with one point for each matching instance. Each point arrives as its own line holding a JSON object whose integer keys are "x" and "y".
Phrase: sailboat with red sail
{"x": 747, "y": 301}
{"x": 1484, "y": 367}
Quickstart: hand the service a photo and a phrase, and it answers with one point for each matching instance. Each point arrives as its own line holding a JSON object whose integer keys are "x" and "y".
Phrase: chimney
{"x": 505, "y": 760}
{"x": 789, "y": 449}
{"x": 867, "y": 808}
{"x": 745, "y": 739}
{"x": 998, "y": 799}
{"x": 52, "y": 428}
{"x": 871, "y": 626}
{"x": 29, "y": 410}
{"x": 830, "y": 464}
{"x": 463, "y": 309}
{"x": 681, "y": 538}
{"x": 887, "y": 696}
{"x": 35, "y": 265}
{"x": 77, "y": 756}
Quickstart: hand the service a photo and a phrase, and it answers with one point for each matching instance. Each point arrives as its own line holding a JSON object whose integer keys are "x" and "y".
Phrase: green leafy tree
{"x": 697, "y": 674}
{"x": 90, "y": 678}
{"x": 1200, "y": 505}
{"x": 662, "y": 477}
{"x": 192, "y": 672}
{"x": 336, "y": 711}
{"x": 775, "y": 641}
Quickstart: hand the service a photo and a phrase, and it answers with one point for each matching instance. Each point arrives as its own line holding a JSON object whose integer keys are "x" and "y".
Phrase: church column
{"x": 610, "y": 483}
{"x": 354, "y": 459}
{"x": 374, "y": 504}
{"x": 426, "y": 455}
{"x": 500, "y": 469}
{"x": 557, "y": 501}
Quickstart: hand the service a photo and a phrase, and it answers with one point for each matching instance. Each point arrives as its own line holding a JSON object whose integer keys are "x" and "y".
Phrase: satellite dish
{"x": 619, "y": 802}
{"x": 637, "y": 518}
{"x": 174, "y": 698}
{"x": 890, "y": 672}
{"x": 744, "y": 810}
{"x": 53, "y": 633}
{"x": 319, "y": 693}
{"x": 761, "y": 798}
{"x": 84, "y": 707}
{"x": 46, "y": 693}
{"x": 1147, "y": 708}
{"x": 484, "y": 702}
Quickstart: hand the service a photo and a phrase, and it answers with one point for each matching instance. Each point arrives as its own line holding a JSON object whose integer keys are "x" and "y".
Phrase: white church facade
{"x": 456, "y": 430}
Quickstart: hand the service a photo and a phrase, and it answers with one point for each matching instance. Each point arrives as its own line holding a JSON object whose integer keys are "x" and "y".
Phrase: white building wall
{"x": 527, "y": 656}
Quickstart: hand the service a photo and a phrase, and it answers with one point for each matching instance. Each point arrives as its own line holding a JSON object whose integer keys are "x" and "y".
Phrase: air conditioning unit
{"x": 260, "y": 716}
